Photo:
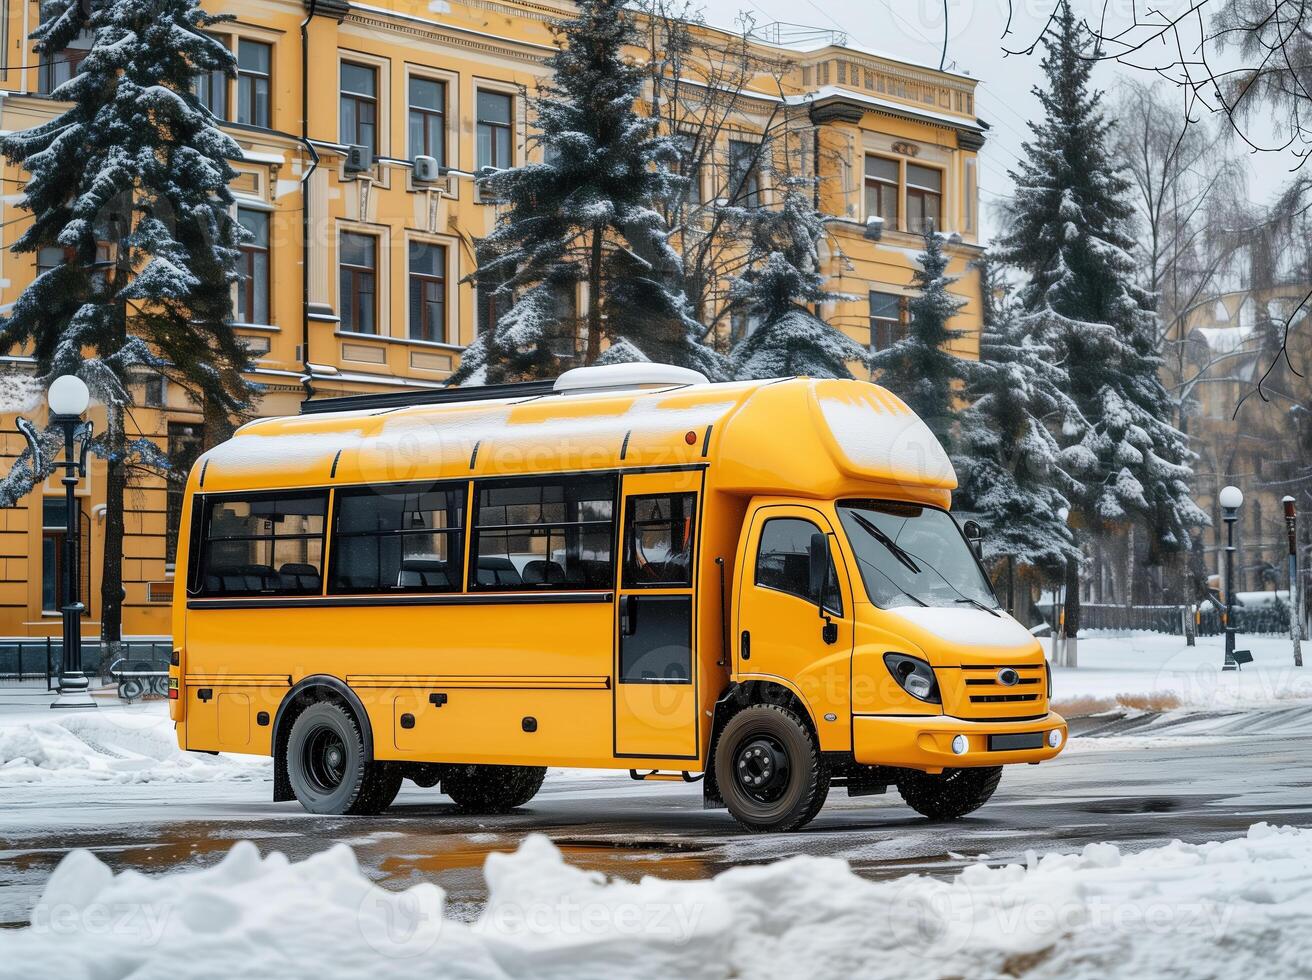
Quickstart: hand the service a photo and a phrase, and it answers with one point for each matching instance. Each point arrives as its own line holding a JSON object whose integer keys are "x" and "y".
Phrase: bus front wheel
{"x": 769, "y": 768}
{"x": 492, "y": 789}
{"x": 949, "y": 795}
{"x": 328, "y": 769}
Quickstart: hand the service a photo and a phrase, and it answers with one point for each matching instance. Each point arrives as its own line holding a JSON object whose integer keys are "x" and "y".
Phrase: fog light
{"x": 1054, "y": 737}
{"x": 960, "y": 744}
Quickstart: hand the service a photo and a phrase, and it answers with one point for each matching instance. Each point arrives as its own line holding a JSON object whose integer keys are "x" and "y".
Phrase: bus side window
{"x": 553, "y": 534}
{"x": 658, "y": 533}
{"x": 400, "y": 538}
{"x": 267, "y": 544}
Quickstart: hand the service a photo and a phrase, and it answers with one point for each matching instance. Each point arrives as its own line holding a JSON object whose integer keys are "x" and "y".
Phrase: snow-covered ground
{"x": 114, "y": 743}
{"x": 1228, "y": 909}
{"x": 1154, "y": 671}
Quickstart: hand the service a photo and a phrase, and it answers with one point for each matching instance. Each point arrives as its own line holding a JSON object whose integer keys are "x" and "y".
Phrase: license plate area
{"x": 1012, "y": 741}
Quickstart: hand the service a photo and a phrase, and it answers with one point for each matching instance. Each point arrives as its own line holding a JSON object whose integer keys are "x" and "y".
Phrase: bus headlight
{"x": 914, "y": 676}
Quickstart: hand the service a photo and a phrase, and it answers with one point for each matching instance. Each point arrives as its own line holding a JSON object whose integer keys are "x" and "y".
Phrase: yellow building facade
{"x": 355, "y": 275}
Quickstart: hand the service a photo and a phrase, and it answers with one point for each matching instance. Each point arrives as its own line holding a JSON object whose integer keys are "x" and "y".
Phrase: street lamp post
{"x": 68, "y": 398}
{"x": 1231, "y": 499}
{"x": 1295, "y": 626}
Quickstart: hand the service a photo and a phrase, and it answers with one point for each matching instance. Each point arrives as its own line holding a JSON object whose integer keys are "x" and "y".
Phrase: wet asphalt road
{"x": 1137, "y": 792}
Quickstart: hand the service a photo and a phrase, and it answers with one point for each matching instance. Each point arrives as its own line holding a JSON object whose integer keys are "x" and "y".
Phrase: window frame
{"x": 474, "y": 587}
{"x": 200, "y": 554}
{"x": 360, "y": 99}
{"x": 217, "y": 81}
{"x": 244, "y": 306}
{"x": 898, "y": 326}
{"x": 494, "y": 126}
{"x": 749, "y": 194}
{"x": 921, "y": 193}
{"x": 883, "y": 184}
{"x": 255, "y": 77}
{"x": 458, "y": 558}
{"x": 357, "y": 272}
{"x": 427, "y": 117}
{"x": 441, "y": 279}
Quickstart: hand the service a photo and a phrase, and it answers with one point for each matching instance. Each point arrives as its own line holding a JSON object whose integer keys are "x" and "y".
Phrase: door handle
{"x": 745, "y": 645}
{"x": 628, "y": 615}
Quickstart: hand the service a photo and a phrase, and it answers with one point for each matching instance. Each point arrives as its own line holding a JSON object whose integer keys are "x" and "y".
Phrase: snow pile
{"x": 1221, "y": 909}
{"x": 19, "y": 392}
{"x": 109, "y": 745}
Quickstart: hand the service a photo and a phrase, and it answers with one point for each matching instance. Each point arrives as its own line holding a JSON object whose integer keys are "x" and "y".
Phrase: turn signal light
{"x": 173, "y": 689}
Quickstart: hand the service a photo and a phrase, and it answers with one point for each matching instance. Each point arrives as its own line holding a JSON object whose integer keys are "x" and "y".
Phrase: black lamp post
{"x": 68, "y": 398}
{"x": 1231, "y": 499}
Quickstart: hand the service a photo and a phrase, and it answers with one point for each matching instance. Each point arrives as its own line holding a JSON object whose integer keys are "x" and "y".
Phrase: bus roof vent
{"x": 615, "y": 377}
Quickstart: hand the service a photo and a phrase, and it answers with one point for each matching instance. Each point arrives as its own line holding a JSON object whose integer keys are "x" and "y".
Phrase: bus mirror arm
{"x": 818, "y": 568}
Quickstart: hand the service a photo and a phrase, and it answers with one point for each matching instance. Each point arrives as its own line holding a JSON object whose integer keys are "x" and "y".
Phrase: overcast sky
{"x": 913, "y": 29}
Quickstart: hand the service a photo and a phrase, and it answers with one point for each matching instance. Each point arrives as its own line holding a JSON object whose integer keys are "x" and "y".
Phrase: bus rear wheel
{"x": 328, "y": 769}
{"x": 951, "y": 795}
{"x": 492, "y": 789}
{"x": 769, "y": 768}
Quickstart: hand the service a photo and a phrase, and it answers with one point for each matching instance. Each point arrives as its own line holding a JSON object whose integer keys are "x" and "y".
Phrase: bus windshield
{"x": 911, "y": 555}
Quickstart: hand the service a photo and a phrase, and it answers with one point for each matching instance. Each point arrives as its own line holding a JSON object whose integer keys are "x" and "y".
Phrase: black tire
{"x": 769, "y": 768}
{"x": 492, "y": 789}
{"x": 327, "y": 766}
{"x": 951, "y": 795}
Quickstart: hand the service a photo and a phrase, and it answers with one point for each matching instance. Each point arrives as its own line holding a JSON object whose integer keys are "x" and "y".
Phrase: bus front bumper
{"x": 926, "y": 742}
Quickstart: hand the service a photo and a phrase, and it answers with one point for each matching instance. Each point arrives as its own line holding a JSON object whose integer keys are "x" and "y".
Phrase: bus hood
{"x": 953, "y": 636}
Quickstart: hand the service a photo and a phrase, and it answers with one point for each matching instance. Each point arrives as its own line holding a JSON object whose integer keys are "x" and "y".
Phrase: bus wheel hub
{"x": 761, "y": 765}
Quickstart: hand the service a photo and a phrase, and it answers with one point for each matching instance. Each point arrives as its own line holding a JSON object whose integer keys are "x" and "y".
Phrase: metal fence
{"x": 1267, "y": 619}
{"x": 35, "y": 661}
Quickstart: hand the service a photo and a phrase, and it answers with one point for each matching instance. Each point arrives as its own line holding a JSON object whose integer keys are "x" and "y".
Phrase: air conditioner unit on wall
{"x": 427, "y": 169}
{"x": 358, "y": 159}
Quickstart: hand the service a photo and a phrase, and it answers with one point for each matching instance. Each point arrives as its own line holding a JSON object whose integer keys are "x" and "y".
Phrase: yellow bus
{"x": 755, "y": 584}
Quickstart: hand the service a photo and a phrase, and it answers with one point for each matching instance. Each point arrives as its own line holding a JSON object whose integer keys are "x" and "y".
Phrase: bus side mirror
{"x": 818, "y": 553}
{"x": 974, "y": 537}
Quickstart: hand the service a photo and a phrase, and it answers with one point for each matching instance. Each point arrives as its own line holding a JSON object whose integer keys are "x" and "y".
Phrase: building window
{"x": 924, "y": 198}
{"x": 427, "y": 292}
{"x": 185, "y": 443}
{"x": 428, "y": 119}
{"x": 887, "y": 323}
{"x": 494, "y": 129}
{"x": 54, "y": 534}
{"x": 212, "y": 89}
{"x": 253, "y": 60}
{"x": 64, "y": 65}
{"x": 690, "y": 167}
{"x": 744, "y": 174}
{"x": 268, "y": 544}
{"x": 493, "y": 300}
{"x": 553, "y": 534}
{"x": 48, "y": 258}
{"x": 359, "y": 108}
{"x": 253, "y": 286}
{"x": 398, "y": 539}
{"x": 882, "y": 190}
{"x": 358, "y": 264}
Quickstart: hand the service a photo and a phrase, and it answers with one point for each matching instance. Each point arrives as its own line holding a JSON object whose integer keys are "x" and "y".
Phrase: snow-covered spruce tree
{"x": 130, "y": 182}
{"x": 1068, "y": 233}
{"x": 782, "y": 274}
{"x": 919, "y": 368}
{"x": 1008, "y": 461}
{"x": 585, "y": 215}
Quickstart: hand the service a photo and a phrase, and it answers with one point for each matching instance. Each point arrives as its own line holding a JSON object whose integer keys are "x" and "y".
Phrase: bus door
{"x": 655, "y": 616}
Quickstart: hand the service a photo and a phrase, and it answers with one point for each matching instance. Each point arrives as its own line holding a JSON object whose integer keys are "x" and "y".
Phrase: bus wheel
{"x": 327, "y": 767}
{"x": 770, "y": 770}
{"x": 953, "y": 794}
{"x": 492, "y": 789}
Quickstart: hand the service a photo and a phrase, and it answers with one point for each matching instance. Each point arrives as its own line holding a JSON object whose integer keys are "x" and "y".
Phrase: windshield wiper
{"x": 978, "y": 604}
{"x": 894, "y": 549}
